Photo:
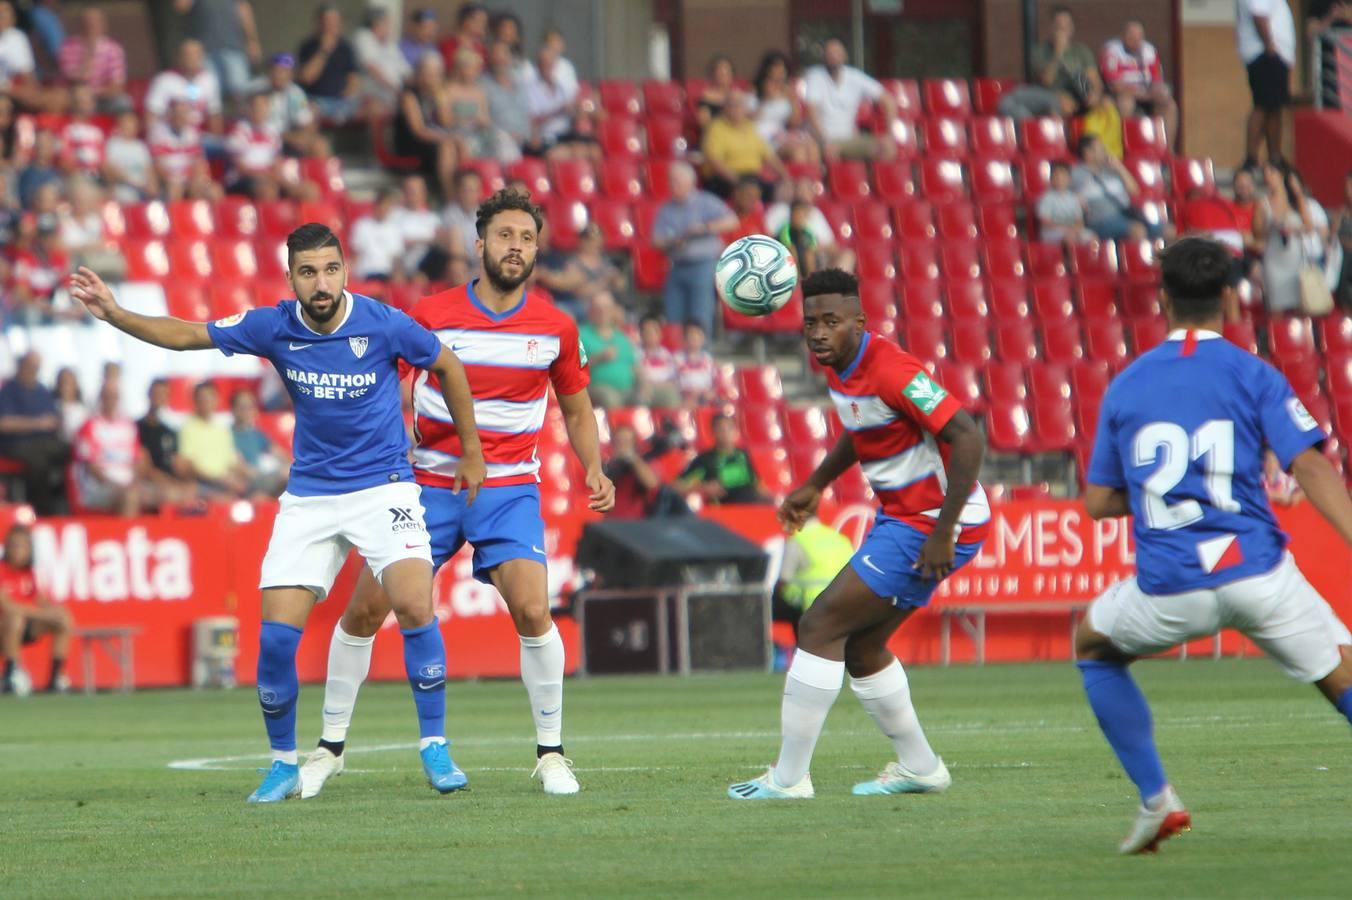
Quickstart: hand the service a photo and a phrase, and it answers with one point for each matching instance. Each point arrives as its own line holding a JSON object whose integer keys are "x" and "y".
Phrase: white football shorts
{"x": 311, "y": 536}
{"x": 1279, "y": 611}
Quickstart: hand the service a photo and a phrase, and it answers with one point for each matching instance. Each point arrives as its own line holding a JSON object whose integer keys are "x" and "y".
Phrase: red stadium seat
{"x": 189, "y": 260}
{"x": 915, "y": 221}
{"x": 1242, "y": 334}
{"x": 920, "y": 293}
{"x": 327, "y": 173}
{"x": 760, "y": 425}
{"x": 994, "y": 181}
{"x": 1005, "y": 383}
{"x": 879, "y": 301}
{"x": 534, "y": 173}
{"x": 1144, "y": 136}
{"x": 1062, "y": 343}
{"x": 229, "y": 297}
{"x": 267, "y": 292}
{"x": 620, "y": 139}
{"x": 271, "y": 256}
{"x": 806, "y": 426}
{"x": 566, "y": 220}
{"x": 1141, "y": 301}
{"x": 941, "y": 180}
{"x": 773, "y": 469}
{"x": 1089, "y": 381}
{"x": 993, "y": 138}
{"x": 925, "y": 339}
{"x": 187, "y": 301}
{"x": 919, "y": 261}
{"x": 759, "y": 385}
{"x": 873, "y": 259}
{"x": 663, "y": 98}
{"x": 1009, "y": 428}
{"x": 146, "y": 220}
{"x": 872, "y": 221}
{"x": 1047, "y": 260}
{"x": 1335, "y": 334}
{"x": 1193, "y": 177}
{"x": 948, "y": 97}
{"x": 323, "y": 212}
{"x": 1149, "y": 175}
{"x": 1104, "y": 340}
{"x": 957, "y": 221}
{"x": 971, "y": 343}
{"x": 1096, "y": 260}
{"x": 1004, "y": 259}
{"x": 1009, "y": 299}
{"x": 1037, "y": 180}
{"x": 490, "y": 175}
{"x": 1098, "y": 299}
{"x": 191, "y": 219}
{"x": 1148, "y": 333}
{"x": 619, "y": 98}
{"x": 922, "y": 305}
{"x": 839, "y": 214}
{"x": 645, "y": 214}
{"x": 1054, "y": 426}
{"x": 1049, "y": 383}
{"x": 233, "y": 259}
{"x": 905, "y": 94}
{"x": 986, "y": 94}
{"x": 967, "y": 302}
{"x": 1015, "y": 341}
{"x": 1303, "y": 373}
{"x": 1044, "y": 138}
{"x": 1051, "y": 301}
{"x": 277, "y": 218}
{"x": 848, "y": 179}
{"x": 1290, "y": 336}
{"x": 804, "y": 459}
{"x": 960, "y": 380}
{"x": 960, "y": 260}
{"x": 659, "y": 179}
{"x": 895, "y": 181}
{"x": 945, "y": 138}
{"x": 666, "y": 137}
{"x": 236, "y": 217}
{"x": 998, "y": 223}
{"x": 639, "y": 418}
{"x": 573, "y": 179}
{"x": 906, "y": 139}
{"x": 650, "y": 267}
{"x": 616, "y": 221}
{"x": 621, "y": 179}
{"x": 1338, "y": 375}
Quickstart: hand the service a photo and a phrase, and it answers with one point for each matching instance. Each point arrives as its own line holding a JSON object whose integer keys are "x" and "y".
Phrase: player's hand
{"x": 87, "y": 287}
{"x": 602, "y": 492}
{"x": 798, "y": 507}
{"x": 470, "y": 472}
{"x": 936, "y": 556}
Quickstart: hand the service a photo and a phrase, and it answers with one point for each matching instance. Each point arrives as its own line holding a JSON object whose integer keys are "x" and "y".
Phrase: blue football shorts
{"x": 503, "y": 524}
{"x": 887, "y": 556}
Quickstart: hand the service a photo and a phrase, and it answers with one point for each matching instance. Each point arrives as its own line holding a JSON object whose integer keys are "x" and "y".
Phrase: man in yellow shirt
{"x": 208, "y": 448}
{"x": 733, "y": 147}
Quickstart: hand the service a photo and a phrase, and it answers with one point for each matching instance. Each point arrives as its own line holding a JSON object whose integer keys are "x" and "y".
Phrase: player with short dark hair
{"x": 921, "y": 454}
{"x": 351, "y": 484}
{"x": 515, "y": 345}
{"x": 27, "y": 614}
{"x": 1180, "y": 446}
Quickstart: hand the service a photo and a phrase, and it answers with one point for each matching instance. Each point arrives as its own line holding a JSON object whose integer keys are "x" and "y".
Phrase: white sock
{"x": 886, "y": 696}
{"x": 811, "y": 687}
{"x": 349, "y": 661}
{"x": 542, "y": 673}
{"x": 290, "y": 757}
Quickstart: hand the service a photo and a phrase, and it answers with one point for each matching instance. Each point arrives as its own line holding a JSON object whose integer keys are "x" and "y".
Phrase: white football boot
{"x": 556, "y": 774}
{"x": 766, "y": 788}
{"x": 320, "y": 766}
{"x": 1157, "y": 823}
{"x": 897, "y": 779}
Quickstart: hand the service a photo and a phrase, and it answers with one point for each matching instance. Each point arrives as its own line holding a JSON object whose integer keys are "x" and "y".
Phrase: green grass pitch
{"x": 92, "y": 806}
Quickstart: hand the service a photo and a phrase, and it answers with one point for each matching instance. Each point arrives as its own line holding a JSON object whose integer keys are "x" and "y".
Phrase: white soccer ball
{"x": 756, "y": 275}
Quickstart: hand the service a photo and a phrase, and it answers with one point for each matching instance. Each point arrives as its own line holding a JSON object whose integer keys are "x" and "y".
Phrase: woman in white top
{"x": 68, "y": 403}
{"x": 779, "y": 111}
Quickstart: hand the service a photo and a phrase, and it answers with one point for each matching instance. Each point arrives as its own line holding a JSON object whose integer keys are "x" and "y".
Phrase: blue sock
{"x": 1344, "y": 704}
{"x": 425, "y": 663}
{"x": 1124, "y": 717}
{"x": 277, "y": 684}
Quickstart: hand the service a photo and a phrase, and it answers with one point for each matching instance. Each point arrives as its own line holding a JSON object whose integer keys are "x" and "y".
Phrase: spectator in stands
{"x": 696, "y": 372}
{"x": 41, "y": 169}
{"x": 1106, "y": 188}
{"x": 508, "y": 95}
{"x": 420, "y": 37}
{"x": 1060, "y": 211}
{"x": 1342, "y": 228}
{"x": 70, "y": 406}
{"x": 191, "y": 84}
{"x": 779, "y": 111}
{"x": 168, "y": 474}
{"x": 657, "y": 384}
{"x": 17, "y": 66}
{"x": 835, "y": 92}
{"x": 128, "y": 167}
{"x": 721, "y": 80}
{"x": 575, "y": 278}
{"x": 229, "y": 35}
{"x": 610, "y": 353}
{"x": 553, "y": 105}
{"x": 82, "y": 139}
{"x": 798, "y": 237}
{"x": 1134, "y": 76}
{"x": 749, "y": 208}
{"x": 39, "y": 265}
{"x": 424, "y": 235}
{"x": 723, "y": 473}
{"x": 208, "y": 448}
{"x": 48, "y": 33}
{"x": 1282, "y": 220}
{"x": 1266, "y": 36}
{"x": 828, "y": 251}
{"x": 687, "y": 229}
{"x": 329, "y": 70}
{"x": 93, "y": 58}
{"x": 377, "y": 243}
{"x": 28, "y": 614}
{"x": 84, "y": 233}
{"x": 30, "y": 434}
{"x": 461, "y": 214}
{"x": 733, "y": 148}
{"x": 9, "y": 150}
{"x": 1101, "y": 118}
{"x": 471, "y": 30}
{"x": 1315, "y": 236}
{"x": 505, "y": 28}
{"x": 1321, "y": 15}
{"x": 180, "y": 164}
{"x": 108, "y": 461}
{"x": 422, "y": 124}
{"x": 255, "y": 148}
{"x": 471, "y": 121}
{"x": 289, "y": 108}
{"x": 9, "y": 214}
{"x": 564, "y": 70}
{"x": 636, "y": 484}
{"x": 268, "y": 464}
{"x": 1062, "y": 65}
{"x": 384, "y": 68}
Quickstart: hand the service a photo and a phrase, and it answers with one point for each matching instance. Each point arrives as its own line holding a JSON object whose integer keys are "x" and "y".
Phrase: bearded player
{"x": 921, "y": 454}
{"x": 514, "y": 345}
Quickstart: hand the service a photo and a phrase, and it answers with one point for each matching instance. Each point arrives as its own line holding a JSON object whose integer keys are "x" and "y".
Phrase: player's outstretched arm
{"x": 455, "y": 391}
{"x": 1321, "y": 484}
{"x": 162, "y": 331}
{"x": 967, "y": 446}
{"x": 799, "y": 506}
{"x": 580, "y": 421}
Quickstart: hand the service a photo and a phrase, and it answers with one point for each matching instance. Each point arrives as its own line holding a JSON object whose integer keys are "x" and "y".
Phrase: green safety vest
{"x": 827, "y": 551}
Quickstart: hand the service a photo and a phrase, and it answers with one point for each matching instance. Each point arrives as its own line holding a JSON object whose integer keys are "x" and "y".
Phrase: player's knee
{"x": 363, "y": 619}
{"x": 532, "y": 617}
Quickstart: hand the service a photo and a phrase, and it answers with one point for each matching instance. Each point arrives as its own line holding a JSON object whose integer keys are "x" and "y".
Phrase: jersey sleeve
{"x": 1105, "y": 463}
{"x": 412, "y": 342}
{"x": 569, "y": 371}
{"x": 911, "y": 391}
{"x": 1288, "y": 427}
{"x": 250, "y": 333}
{"x": 82, "y": 448}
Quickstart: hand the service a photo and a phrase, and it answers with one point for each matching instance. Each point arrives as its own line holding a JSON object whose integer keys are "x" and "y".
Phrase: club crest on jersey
{"x": 532, "y": 351}
{"x": 854, "y": 411}
{"x": 358, "y": 345}
{"x": 924, "y": 393}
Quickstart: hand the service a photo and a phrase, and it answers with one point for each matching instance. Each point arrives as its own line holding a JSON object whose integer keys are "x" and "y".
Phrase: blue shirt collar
{"x": 495, "y": 316}
{"x": 854, "y": 364}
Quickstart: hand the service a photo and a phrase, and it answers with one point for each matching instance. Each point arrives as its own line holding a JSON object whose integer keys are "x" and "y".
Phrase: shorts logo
{"x": 532, "y": 351}
{"x": 358, "y": 345}
{"x": 403, "y": 519}
{"x": 924, "y": 393}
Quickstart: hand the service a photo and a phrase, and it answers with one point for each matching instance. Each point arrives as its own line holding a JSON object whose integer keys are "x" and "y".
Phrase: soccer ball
{"x": 756, "y": 275}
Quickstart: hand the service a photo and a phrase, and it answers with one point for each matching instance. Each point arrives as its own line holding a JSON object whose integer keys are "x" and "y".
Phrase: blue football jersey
{"x": 350, "y": 431}
{"x": 1183, "y": 431}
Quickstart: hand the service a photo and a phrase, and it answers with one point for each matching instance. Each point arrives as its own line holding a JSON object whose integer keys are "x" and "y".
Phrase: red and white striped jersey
{"x": 82, "y": 143}
{"x": 511, "y": 359}
{"x": 254, "y": 148}
{"x": 1122, "y": 68}
{"x": 892, "y": 410}
{"x": 175, "y": 152}
{"x": 110, "y": 444}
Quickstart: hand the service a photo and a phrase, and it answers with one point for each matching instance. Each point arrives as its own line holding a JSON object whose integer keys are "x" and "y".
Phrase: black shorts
{"x": 1270, "y": 82}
